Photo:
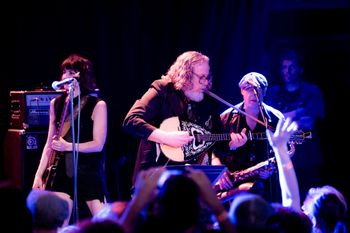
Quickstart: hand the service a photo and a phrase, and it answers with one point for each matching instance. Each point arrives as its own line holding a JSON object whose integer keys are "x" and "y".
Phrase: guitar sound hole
{"x": 198, "y": 139}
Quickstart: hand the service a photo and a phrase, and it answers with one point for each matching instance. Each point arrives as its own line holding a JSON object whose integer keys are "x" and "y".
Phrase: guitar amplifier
{"x": 30, "y": 109}
{"x": 22, "y": 153}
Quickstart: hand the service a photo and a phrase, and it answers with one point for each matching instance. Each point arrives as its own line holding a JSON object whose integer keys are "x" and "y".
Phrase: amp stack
{"x": 26, "y": 135}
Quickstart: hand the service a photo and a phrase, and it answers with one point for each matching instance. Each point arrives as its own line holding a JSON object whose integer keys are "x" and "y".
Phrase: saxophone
{"x": 246, "y": 175}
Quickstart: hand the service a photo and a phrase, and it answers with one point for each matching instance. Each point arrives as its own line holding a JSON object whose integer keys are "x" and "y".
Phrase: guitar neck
{"x": 256, "y": 136}
{"x": 227, "y": 137}
{"x": 213, "y": 137}
{"x": 297, "y": 138}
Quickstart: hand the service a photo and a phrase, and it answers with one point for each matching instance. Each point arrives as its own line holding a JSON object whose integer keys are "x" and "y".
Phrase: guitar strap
{"x": 191, "y": 112}
{"x": 227, "y": 126}
{"x": 230, "y": 120}
{"x": 67, "y": 121}
{"x": 66, "y": 129}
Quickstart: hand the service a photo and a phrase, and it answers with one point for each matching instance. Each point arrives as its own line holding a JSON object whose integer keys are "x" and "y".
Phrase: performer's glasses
{"x": 203, "y": 78}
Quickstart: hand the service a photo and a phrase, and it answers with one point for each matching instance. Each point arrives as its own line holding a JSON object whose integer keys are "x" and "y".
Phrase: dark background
{"x": 134, "y": 42}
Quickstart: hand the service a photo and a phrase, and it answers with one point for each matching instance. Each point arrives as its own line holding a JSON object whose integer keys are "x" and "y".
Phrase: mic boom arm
{"x": 239, "y": 110}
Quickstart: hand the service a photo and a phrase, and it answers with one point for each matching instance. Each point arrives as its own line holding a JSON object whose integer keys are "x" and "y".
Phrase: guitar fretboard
{"x": 256, "y": 136}
{"x": 213, "y": 137}
{"x": 297, "y": 138}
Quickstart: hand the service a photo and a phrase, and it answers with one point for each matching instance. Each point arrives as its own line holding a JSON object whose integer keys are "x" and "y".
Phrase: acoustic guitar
{"x": 204, "y": 139}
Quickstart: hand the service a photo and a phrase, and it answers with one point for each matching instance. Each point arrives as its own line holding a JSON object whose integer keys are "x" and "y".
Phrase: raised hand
{"x": 284, "y": 130}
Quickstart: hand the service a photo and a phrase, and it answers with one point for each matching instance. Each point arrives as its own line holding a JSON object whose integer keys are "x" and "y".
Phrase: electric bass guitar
{"x": 51, "y": 169}
{"x": 204, "y": 139}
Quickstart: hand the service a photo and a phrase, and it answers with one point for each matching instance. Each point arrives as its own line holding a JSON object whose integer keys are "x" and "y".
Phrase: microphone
{"x": 253, "y": 84}
{"x": 58, "y": 84}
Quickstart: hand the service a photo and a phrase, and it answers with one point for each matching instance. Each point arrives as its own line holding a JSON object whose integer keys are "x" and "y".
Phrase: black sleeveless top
{"x": 90, "y": 173}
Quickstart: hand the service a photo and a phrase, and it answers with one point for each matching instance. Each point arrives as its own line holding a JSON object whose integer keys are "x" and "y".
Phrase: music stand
{"x": 213, "y": 172}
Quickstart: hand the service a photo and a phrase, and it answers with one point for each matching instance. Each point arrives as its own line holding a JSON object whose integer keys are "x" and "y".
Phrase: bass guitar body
{"x": 51, "y": 171}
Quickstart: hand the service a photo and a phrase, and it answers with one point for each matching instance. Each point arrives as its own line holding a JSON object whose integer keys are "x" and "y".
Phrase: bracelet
{"x": 223, "y": 216}
{"x": 288, "y": 165}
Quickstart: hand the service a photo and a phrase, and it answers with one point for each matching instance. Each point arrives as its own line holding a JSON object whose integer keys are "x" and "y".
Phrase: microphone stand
{"x": 260, "y": 105}
{"x": 75, "y": 212}
{"x": 256, "y": 93}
